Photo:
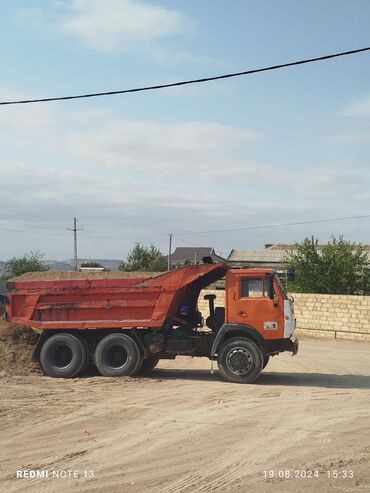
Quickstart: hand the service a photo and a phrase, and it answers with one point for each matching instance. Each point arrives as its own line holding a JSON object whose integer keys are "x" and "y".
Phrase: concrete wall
{"x": 320, "y": 315}
{"x": 203, "y": 305}
{"x": 333, "y": 316}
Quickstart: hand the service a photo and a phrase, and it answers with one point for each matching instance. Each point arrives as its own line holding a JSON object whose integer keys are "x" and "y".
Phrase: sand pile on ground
{"x": 16, "y": 346}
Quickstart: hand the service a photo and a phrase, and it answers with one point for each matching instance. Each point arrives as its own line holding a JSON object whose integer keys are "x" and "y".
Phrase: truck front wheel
{"x": 117, "y": 355}
{"x": 240, "y": 360}
{"x": 63, "y": 356}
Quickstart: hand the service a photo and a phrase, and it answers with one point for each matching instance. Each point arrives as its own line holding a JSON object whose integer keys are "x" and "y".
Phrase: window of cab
{"x": 254, "y": 287}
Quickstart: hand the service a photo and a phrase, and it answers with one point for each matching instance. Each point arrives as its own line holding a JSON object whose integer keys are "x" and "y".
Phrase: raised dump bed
{"x": 105, "y": 300}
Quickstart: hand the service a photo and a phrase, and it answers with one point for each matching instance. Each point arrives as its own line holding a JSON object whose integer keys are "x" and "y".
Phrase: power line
{"x": 32, "y": 226}
{"x": 274, "y": 225}
{"x": 30, "y": 231}
{"x": 186, "y": 82}
{"x": 183, "y": 241}
{"x": 17, "y": 230}
{"x": 28, "y": 214}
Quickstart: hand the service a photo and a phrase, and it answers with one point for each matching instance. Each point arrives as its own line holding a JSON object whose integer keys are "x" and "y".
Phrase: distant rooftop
{"x": 269, "y": 256}
{"x": 260, "y": 256}
{"x": 292, "y": 246}
{"x": 194, "y": 254}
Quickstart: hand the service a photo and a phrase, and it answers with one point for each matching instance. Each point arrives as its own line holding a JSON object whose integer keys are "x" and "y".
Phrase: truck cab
{"x": 257, "y": 312}
{"x": 257, "y": 297}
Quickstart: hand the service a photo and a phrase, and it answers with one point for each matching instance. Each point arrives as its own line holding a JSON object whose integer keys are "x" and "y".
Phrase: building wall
{"x": 333, "y": 316}
{"x": 203, "y": 305}
{"x": 320, "y": 315}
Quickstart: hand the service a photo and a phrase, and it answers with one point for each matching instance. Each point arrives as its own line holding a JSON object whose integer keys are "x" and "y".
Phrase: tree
{"x": 143, "y": 258}
{"x": 187, "y": 261}
{"x": 340, "y": 267}
{"x": 17, "y": 266}
{"x": 92, "y": 264}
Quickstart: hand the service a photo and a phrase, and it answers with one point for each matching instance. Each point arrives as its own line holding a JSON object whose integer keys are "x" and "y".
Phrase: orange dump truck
{"x": 125, "y": 326}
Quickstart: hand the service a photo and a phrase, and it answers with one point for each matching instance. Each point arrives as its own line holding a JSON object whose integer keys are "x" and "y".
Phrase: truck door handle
{"x": 242, "y": 313}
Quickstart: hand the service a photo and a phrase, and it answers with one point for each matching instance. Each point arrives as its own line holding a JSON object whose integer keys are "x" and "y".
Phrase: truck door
{"x": 249, "y": 302}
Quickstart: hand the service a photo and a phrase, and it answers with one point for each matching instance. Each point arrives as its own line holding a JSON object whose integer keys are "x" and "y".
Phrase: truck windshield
{"x": 282, "y": 289}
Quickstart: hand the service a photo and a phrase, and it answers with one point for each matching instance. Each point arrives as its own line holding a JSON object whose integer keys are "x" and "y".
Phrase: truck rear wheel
{"x": 117, "y": 355}
{"x": 240, "y": 360}
{"x": 88, "y": 361}
{"x": 63, "y": 356}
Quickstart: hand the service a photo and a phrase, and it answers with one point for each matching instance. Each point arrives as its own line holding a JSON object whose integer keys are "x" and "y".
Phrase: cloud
{"x": 115, "y": 25}
{"x": 354, "y": 137}
{"x": 132, "y": 178}
{"x": 200, "y": 148}
{"x": 359, "y": 109}
{"x": 329, "y": 184}
{"x": 140, "y": 148}
{"x": 136, "y": 180}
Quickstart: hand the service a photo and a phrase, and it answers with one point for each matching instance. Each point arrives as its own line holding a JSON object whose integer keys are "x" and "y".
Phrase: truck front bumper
{"x": 276, "y": 346}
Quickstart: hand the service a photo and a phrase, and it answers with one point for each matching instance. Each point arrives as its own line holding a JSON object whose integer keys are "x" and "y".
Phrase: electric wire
{"x": 183, "y": 241}
{"x": 28, "y": 214}
{"x": 273, "y": 225}
{"x": 33, "y": 231}
{"x": 187, "y": 82}
{"x": 31, "y": 226}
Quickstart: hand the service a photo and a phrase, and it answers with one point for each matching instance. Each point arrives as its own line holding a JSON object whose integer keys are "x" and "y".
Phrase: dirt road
{"x": 184, "y": 430}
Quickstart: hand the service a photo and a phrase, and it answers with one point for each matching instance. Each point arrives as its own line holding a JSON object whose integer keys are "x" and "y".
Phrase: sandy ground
{"x": 185, "y": 430}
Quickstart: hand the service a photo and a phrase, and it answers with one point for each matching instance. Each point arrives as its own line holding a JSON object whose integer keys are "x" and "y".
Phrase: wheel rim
{"x": 239, "y": 360}
{"x": 60, "y": 356}
{"x": 115, "y": 356}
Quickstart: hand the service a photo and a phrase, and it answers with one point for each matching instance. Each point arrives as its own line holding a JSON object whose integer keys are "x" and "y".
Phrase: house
{"x": 248, "y": 257}
{"x": 194, "y": 255}
{"x": 274, "y": 255}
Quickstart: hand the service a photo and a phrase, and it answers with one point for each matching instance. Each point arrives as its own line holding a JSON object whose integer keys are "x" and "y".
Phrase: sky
{"x": 278, "y": 147}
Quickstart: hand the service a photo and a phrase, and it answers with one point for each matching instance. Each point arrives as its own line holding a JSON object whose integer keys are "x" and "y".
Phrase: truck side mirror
{"x": 290, "y": 274}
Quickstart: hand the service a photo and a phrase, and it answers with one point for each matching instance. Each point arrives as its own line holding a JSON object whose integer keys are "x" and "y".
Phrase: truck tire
{"x": 87, "y": 366}
{"x": 148, "y": 365}
{"x": 63, "y": 356}
{"x": 240, "y": 360}
{"x": 117, "y": 355}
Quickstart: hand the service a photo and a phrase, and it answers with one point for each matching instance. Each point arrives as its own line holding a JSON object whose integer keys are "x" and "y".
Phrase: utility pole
{"x": 169, "y": 252}
{"x": 75, "y": 229}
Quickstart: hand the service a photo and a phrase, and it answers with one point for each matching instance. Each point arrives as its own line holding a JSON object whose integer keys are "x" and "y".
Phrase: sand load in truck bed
{"x": 104, "y": 299}
{"x": 58, "y": 275}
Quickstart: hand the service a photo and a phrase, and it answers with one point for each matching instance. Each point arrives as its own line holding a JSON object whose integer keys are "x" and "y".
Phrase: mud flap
{"x": 40, "y": 341}
{"x": 295, "y": 347}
